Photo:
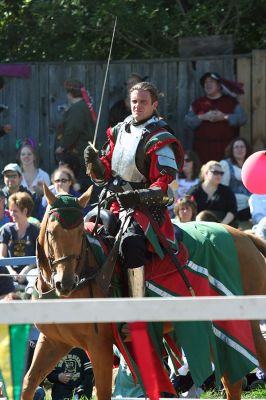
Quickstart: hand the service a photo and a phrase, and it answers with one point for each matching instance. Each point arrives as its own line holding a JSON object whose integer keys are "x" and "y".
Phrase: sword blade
{"x": 104, "y": 84}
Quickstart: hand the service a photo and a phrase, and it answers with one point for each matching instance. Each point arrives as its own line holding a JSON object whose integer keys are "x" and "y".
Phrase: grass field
{"x": 252, "y": 394}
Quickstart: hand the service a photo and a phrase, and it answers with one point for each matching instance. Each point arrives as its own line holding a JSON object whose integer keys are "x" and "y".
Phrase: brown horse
{"x": 63, "y": 256}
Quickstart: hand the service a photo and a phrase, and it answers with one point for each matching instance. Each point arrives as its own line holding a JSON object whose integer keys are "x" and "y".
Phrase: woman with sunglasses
{"x": 211, "y": 195}
{"x": 63, "y": 180}
{"x": 236, "y": 153}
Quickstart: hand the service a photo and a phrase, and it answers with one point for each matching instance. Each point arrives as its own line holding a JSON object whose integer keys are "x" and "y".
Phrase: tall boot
{"x": 136, "y": 282}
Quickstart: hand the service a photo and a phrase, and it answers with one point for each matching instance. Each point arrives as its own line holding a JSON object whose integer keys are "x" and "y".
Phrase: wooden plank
{"x": 7, "y": 147}
{"x": 159, "y": 78}
{"x": 205, "y": 46}
{"x": 90, "y": 80}
{"x": 46, "y": 135}
{"x": 243, "y": 71}
{"x": 117, "y": 83}
{"x": 133, "y": 309}
{"x": 228, "y": 69}
{"x": 100, "y": 73}
{"x": 171, "y": 95}
{"x": 186, "y": 95}
{"x": 56, "y": 97}
{"x": 258, "y": 98}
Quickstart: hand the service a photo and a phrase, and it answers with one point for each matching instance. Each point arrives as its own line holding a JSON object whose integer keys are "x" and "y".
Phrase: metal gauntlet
{"x": 91, "y": 158}
{"x": 97, "y": 170}
{"x": 153, "y": 197}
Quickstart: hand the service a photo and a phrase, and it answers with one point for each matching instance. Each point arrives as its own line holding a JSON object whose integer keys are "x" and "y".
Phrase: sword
{"x": 102, "y": 95}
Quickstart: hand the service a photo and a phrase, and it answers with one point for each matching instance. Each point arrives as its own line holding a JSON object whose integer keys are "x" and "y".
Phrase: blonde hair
{"x": 206, "y": 167}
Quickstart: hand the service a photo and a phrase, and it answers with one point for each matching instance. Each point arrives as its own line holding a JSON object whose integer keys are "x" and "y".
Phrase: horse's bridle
{"x": 52, "y": 262}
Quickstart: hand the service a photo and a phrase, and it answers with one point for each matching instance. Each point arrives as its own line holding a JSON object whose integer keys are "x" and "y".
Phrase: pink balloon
{"x": 254, "y": 172}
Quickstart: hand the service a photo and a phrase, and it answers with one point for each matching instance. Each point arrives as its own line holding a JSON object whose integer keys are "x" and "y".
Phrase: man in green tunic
{"x": 76, "y": 130}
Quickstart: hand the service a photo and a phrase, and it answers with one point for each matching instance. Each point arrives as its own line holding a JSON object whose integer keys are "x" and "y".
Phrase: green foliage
{"x": 65, "y": 30}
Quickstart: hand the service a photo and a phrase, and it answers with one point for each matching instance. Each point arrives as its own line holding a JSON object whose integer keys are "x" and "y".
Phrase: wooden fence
{"x": 33, "y": 102}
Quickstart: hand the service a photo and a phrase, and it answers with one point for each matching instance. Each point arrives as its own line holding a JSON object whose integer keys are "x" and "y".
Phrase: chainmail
{"x": 158, "y": 213}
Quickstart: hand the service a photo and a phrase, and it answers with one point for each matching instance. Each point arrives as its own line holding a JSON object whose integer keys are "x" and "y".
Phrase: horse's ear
{"x": 85, "y": 197}
{"x": 50, "y": 197}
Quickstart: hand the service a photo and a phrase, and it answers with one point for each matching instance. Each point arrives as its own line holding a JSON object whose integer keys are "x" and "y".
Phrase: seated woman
{"x": 185, "y": 209}
{"x": 32, "y": 176}
{"x": 63, "y": 180}
{"x": 18, "y": 238}
{"x": 211, "y": 195}
{"x": 236, "y": 153}
{"x": 189, "y": 176}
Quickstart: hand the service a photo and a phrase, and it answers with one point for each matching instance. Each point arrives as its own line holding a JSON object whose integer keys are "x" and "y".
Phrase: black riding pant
{"x": 133, "y": 246}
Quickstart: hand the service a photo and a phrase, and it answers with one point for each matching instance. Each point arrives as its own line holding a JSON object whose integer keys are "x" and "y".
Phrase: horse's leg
{"x": 46, "y": 355}
{"x": 233, "y": 392}
{"x": 101, "y": 355}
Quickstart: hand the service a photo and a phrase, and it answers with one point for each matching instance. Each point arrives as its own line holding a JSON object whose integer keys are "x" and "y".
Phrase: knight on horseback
{"x": 140, "y": 159}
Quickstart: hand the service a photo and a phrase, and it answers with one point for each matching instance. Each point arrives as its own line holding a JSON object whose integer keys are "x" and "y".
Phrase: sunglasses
{"x": 217, "y": 172}
{"x": 187, "y": 159}
{"x": 63, "y": 180}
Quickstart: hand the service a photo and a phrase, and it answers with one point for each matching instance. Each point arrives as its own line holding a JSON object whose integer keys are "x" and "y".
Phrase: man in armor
{"x": 139, "y": 161}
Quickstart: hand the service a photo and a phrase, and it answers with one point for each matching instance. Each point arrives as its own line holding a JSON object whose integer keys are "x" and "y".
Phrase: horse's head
{"x": 62, "y": 240}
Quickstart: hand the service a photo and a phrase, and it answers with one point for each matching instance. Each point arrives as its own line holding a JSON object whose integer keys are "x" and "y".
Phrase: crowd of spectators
{"x": 209, "y": 187}
{"x": 216, "y": 191}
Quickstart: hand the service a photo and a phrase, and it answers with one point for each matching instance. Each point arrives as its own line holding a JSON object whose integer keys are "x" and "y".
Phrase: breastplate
{"x": 124, "y": 154}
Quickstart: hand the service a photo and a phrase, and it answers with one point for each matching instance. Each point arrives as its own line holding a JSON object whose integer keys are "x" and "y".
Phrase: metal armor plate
{"x": 124, "y": 154}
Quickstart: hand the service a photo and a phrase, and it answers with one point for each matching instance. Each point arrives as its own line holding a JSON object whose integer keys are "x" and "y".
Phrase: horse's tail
{"x": 259, "y": 242}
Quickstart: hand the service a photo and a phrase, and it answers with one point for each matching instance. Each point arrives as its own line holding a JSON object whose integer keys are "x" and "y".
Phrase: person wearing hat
{"x": 216, "y": 117}
{"x": 12, "y": 179}
{"x": 77, "y": 128}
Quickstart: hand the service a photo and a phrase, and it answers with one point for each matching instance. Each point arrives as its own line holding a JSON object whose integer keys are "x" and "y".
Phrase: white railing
{"x": 147, "y": 309}
{"x": 125, "y": 309}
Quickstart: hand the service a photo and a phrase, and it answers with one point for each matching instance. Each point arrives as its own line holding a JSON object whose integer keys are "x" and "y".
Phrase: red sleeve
{"x": 155, "y": 176}
{"x": 107, "y": 158}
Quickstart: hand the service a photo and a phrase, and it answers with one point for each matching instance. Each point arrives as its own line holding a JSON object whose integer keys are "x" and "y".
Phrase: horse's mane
{"x": 41, "y": 236}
